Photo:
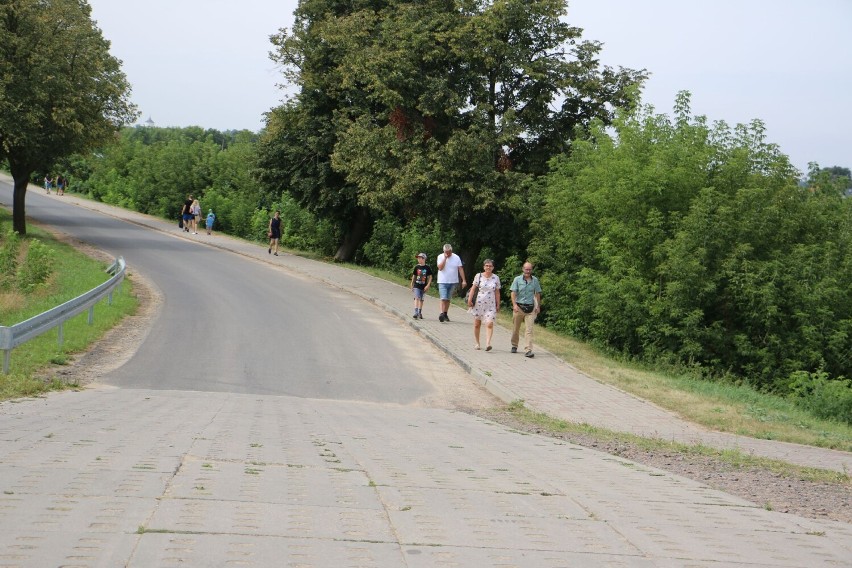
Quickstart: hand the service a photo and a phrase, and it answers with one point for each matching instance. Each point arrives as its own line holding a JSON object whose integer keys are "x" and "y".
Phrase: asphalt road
{"x": 231, "y": 324}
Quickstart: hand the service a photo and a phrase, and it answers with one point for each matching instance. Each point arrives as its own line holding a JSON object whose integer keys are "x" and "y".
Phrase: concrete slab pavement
{"x": 139, "y": 478}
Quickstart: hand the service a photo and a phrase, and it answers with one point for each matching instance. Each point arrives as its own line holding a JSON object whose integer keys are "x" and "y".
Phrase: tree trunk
{"x": 358, "y": 230}
{"x": 19, "y": 211}
{"x": 469, "y": 255}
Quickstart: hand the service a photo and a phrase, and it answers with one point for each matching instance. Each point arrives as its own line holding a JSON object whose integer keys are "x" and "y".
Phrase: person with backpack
{"x": 195, "y": 209}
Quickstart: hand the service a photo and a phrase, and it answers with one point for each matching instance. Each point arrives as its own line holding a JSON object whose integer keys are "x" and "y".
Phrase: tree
{"x": 440, "y": 108}
{"x": 152, "y": 170}
{"x": 835, "y": 179}
{"x": 837, "y": 171}
{"x": 294, "y": 157}
{"x": 294, "y": 153}
{"x": 678, "y": 240}
{"x": 61, "y": 92}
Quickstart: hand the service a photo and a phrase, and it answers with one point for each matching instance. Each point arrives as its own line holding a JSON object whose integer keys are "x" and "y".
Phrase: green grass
{"x": 33, "y": 364}
{"x": 718, "y": 405}
{"x": 733, "y": 457}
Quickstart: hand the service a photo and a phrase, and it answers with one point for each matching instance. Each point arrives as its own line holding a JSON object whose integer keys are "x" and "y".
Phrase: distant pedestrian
{"x": 186, "y": 213}
{"x": 450, "y": 271}
{"x": 485, "y": 308}
{"x": 274, "y": 232}
{"x": 60, "y": 185}
{"x": 195, "y": 209}
{"x": 211, "y": 218}
{"x": 526, "y": 305}
{"x": 48, "y": 183}
{"x": 421, "y": 279}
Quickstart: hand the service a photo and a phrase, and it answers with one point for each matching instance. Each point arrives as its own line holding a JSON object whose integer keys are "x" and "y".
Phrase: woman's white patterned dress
{"x": 485, "y": 307}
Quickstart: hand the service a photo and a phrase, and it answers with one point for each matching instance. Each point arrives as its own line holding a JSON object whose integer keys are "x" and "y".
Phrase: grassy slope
{"x": 74, "y": 273}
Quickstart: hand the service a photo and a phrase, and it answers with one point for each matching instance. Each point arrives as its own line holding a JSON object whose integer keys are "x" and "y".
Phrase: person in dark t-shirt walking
{"x": 421, "y": 279}
{"x": 274, "y": 232}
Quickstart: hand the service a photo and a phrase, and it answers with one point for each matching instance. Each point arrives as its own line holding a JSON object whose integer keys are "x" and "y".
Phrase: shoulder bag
{"x": 474, "y": 291}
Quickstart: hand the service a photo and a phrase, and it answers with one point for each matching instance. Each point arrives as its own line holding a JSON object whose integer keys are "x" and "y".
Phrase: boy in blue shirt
{"x": 211, "y": 218}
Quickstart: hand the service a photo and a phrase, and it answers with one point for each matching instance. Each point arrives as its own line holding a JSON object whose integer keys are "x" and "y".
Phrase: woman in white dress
{"x": 487, "y": 304}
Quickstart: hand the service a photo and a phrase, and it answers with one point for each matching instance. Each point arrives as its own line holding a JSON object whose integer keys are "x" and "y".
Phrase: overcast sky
{"x": 786, "y": 62}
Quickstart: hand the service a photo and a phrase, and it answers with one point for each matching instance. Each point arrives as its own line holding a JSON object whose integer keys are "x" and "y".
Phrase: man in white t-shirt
{"x": 450, "y": 272}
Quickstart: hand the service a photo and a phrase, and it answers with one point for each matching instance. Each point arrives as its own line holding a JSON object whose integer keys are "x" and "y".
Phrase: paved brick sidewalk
{"x": 545, "y": 383}
{"x": 154, "y": 478}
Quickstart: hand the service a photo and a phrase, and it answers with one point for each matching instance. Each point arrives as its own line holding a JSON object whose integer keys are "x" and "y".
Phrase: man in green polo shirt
{"x": 526, "y": 303}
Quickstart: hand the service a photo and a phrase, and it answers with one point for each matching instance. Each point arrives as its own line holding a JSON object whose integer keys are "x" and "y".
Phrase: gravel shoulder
{"x": 761, "y": 486}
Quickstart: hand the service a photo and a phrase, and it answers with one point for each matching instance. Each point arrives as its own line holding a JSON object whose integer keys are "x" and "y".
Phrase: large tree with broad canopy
{"x": 443, "y": 109}
{"x": 61, "y": 92}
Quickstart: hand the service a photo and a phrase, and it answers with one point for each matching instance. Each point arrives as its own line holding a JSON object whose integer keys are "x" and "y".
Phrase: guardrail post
{"x": 6, "y": 347}
{"x": 61, "y": 336}
{"x": 91, "y": 315}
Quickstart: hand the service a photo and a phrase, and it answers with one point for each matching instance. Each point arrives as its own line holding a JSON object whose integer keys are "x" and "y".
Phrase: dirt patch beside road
{"x": 761, "y": 486}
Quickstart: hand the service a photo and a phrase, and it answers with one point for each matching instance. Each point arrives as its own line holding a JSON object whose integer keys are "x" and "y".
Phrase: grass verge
{"x": 736, "y": 459}
{"x": 33, "y": 364}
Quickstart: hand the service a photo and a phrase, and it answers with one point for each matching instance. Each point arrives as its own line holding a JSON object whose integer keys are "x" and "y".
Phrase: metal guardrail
{"x": 11, "y": 337}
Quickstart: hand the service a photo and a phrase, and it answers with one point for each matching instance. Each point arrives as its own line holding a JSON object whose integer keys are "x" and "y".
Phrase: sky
{"x": 785, "y": 62}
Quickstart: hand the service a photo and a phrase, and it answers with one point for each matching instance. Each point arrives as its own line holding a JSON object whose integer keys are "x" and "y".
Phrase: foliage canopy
{"x": 694, "y": 243}
{"x": 61, "y": 92}
{"x": 440, "y": 109}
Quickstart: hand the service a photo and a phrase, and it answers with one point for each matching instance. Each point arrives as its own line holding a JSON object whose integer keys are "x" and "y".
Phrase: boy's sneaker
{"x": 441, "y": 317}
{"x": 514, "y": 349}
{"x": 446, "y": 317}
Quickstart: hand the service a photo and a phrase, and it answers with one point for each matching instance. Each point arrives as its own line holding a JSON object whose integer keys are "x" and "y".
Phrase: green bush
{"x": 234, "y": 215}
{"x": 824, "y": 397}
{"x": 392, "y": 246}
{"x": 383, "y": 248}
{"x": 36, "y": 267}
{"x": 302, "y": 230}
{"x": 676, "y": 241}
{"x": 9, "y": 250}
{"x": 418, "y": 237}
